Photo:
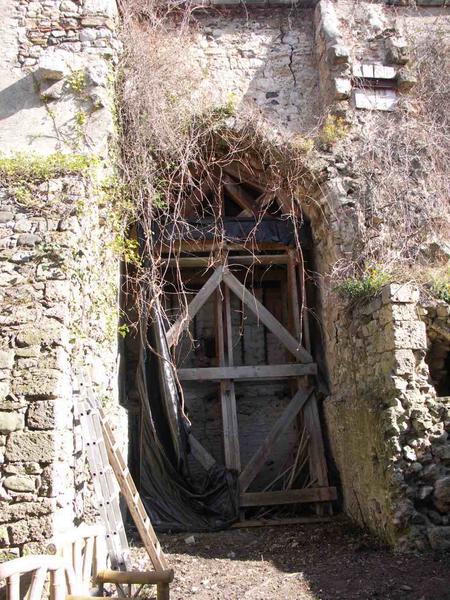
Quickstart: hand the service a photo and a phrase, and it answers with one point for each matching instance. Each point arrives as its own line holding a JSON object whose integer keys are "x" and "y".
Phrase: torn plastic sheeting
{"x": 173, "y": 501}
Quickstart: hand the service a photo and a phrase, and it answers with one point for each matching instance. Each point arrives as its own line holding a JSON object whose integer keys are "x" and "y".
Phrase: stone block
{"x": 39, "y": 383}
{"x": 10, "y": 512}
{"x": 6, "y": 216}
{"x": 52, "y": 66}
{"x": 338, "y": 54}
{"x": 342, "y": 88}
{"x": 442, "y": 494}
{"x": 403, "y": 312}
{"x": 30, "y": 446}
{"x": 439, "y": 538}
{"x": 6, "y": 359}
{"x": 47, "y": 332}
{"x": 30, "y": 530}
{"x": 410, "y": 334}
{"x": 405, "y": 362}
{"x": 4, "y": 537}
{"x": 41, "y": 415}
{"x": 10, "y": 421}
{"x": 21, "y": 483}
{"x": 405, "y": 81}
{"x": 400, "y": 292}
{"x": 28, "y": 240}
{"x": 397, "y": 51}
{"x": 10, "y": 403}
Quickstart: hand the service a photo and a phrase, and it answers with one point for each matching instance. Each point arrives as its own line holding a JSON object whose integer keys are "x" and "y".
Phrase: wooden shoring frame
{"x": 304, "y": 400}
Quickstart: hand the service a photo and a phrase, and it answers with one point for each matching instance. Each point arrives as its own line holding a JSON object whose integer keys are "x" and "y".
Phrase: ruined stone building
{"x": 353, "y": 419}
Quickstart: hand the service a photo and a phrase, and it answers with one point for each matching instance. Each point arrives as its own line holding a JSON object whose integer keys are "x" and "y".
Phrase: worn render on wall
{"x": 386, "y": 428}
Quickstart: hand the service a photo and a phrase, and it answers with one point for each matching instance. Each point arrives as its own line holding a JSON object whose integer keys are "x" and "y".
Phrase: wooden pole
{"x": 316, "y": 450}
{"x": 227, "y": 394}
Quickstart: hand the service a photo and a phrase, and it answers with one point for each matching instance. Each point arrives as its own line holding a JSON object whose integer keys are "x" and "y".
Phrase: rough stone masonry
{"x": 387, "y": 429}
{"x": 58, "y": 271}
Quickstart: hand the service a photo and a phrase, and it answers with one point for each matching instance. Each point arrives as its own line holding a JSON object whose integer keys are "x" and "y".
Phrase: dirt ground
{"x": 325, "y": 561}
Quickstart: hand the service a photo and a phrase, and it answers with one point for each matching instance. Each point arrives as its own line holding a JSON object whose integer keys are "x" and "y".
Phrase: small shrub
{"x": 303, "y": 144}
{"x": 357, "y": 290}
{"x": 333, "y": 130}
{"x": 123, "y": 330}
{"x": 440, "y": 287}
{"x": 77, "y": 82}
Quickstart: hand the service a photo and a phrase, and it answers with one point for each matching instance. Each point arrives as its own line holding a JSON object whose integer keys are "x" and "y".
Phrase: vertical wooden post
{"x": 227, "y": 395}
{"x": 162, "y": 591}
{"x": 316, "y": 450}
{"x": 13, "y": 587}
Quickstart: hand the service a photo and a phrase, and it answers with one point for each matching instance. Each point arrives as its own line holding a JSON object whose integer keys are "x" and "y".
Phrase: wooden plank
{"x": 200, "y": 453}
{"x": 205, "y": 261}
{"x": 241, "y": 196}
{"x": 311, "y": 418}
{"x": 248, "y": 372}
{"x": 259, "y": 458}
{"x": 205, "y": 292}
{"x": 266, "y": 317}
{"x": 278, "y": 522}
{"x": 319, "y": 494}
{"x": 242, "y": 174}
{"x": 136, "y": 577}
{"x": 227, "y": 397}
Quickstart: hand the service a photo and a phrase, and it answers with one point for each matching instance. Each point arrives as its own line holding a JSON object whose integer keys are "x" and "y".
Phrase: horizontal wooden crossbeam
{"x": 319, "y": 494}
{"x": 247, "y": 372}
{"x": 205, "y": 261}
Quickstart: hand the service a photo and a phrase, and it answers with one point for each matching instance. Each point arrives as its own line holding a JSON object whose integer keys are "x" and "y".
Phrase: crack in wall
{"x": 291, "y": 54}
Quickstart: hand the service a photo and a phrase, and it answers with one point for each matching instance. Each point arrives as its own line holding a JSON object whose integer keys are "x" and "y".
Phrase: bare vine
{"x": 178, "y": 140}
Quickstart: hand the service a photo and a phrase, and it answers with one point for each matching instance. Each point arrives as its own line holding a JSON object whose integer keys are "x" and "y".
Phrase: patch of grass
{"x": 32, "y": 168}
{"x": 357, "y": 290}
{"x": 440, "y": 287}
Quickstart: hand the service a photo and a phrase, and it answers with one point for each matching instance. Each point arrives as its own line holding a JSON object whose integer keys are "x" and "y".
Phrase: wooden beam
{"x": 277, "y": 522}
{"x": 241, "y": 196}
{"x": 259, "y": 458}
{"x": 200, "y": 453}
{"x": 244, "y": 175}
{"x": 266, "y": 317}
{"x": 135, "y": 577}
{"x": 227, "y": 394}
{"x": 247, "y": 372}
{"x": 201, "y": 297}
{"x": 205, "y": 261}
{"x": 320, "y": 494}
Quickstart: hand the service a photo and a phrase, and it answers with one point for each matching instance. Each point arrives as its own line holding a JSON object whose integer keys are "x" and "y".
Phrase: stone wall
{"x": 58, "y": 267}
{"x": 260, "y": 60}
{"x": 386, "y": 425}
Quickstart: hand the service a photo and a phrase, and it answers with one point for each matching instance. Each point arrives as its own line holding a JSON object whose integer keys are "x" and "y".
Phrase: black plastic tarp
{"x": 268, "y": 229}
{"x": 173, "y": 500}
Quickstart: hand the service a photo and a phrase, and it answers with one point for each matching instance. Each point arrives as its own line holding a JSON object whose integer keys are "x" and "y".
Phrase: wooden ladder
{"x": 107, "y": 459}
{"x": 104, "y": 480}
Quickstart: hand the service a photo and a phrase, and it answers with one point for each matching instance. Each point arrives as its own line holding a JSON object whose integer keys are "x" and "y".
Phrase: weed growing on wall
{"x": 363, "y": 288}
{"x": 32, "y": 168}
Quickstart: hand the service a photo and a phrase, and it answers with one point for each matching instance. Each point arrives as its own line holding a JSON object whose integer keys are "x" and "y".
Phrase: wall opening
{"x": 243, "y": 357}
{"x": 438, "y": 360}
